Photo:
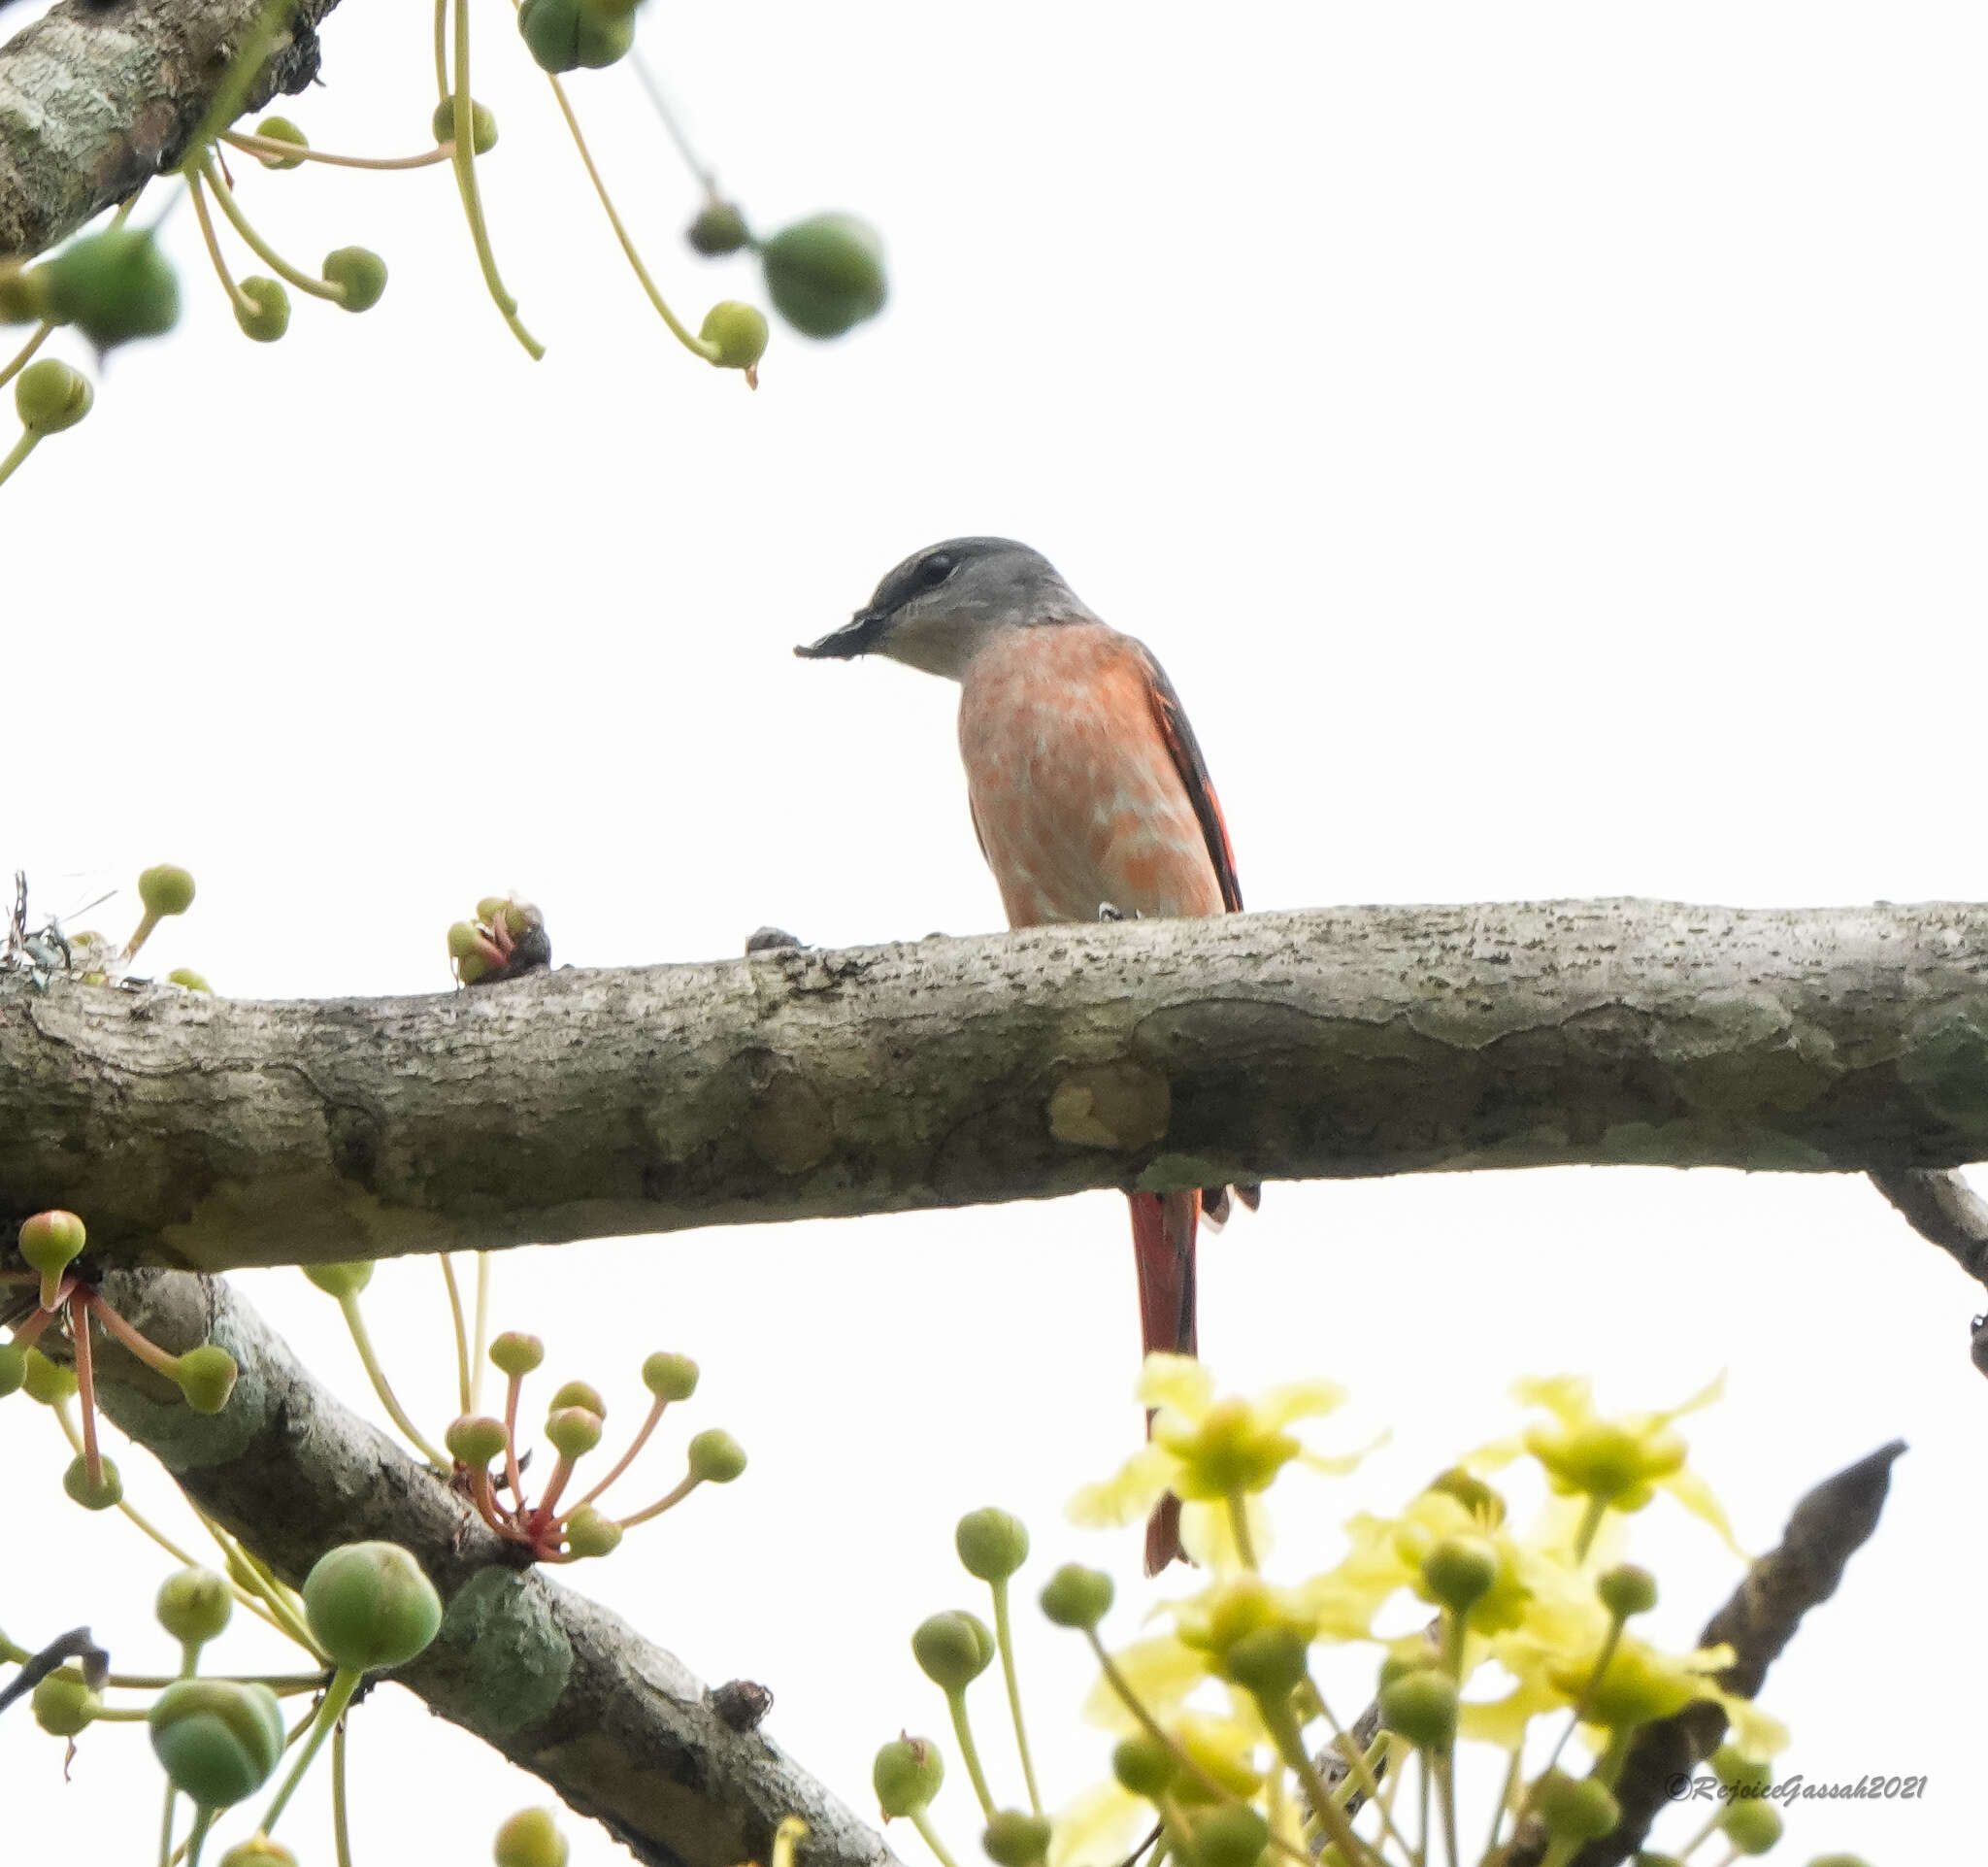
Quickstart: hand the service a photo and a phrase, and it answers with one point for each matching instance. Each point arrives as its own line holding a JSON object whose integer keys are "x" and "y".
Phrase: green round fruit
{"x": 825, "y": 274}
{"x": 579, "y": 1393}
{"x": 572, "y": 1431}
{"x": 269, "y": 316}
{"x": 1232, "y": 1835}
{"x": 592, "y": 1533}
{"x": 206, "y": 1378}
{"x": 475, "y": 1440}
{"x": 482, "y": 126}
{"x": 739, "y": 332}
{"x": 517, "y": 1353}
{"x": 114, "y": 286}
{"x": 50, "y": 396}
{"x": 218, "y": 1739}
{"x": 63, "y": 1701}
{"x": 563, "y": 35}
{"x": 108, "y": 1491}
{"x": 359, "y": 274}
{"x": 715, "y": 1457}
{"x": 51, "y": 1242}
{"x": 370, "y": 1606}
{"x": 280, "y": 129}
{"x": 194, "y": 1605}
{"x": 165, "y": 888}
{"x": 669, "y": 1377}
{"x": 530, "y": 1838}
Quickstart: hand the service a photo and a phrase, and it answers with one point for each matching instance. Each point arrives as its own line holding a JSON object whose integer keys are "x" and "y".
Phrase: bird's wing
{"x": 1172, "y": 720}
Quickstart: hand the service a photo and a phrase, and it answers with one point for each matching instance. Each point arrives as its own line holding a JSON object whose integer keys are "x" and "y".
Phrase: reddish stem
{"x": 147, "y": 1350}
{"x": 25, "y": 1336}
{"x": 628, "y": 1458}
{"x": 514, "y": 1387}
{"x": 85, "y": 1389}
{"x": 561, "y": 1472}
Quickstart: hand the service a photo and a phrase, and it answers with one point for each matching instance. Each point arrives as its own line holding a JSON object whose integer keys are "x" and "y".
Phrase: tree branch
{"x": 799, "y": 1083}
{"x": 563, "y": 1688}
{"x": 96, "y": 99}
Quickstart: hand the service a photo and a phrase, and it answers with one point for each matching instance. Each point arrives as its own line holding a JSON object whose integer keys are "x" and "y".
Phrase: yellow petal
{"x": 1751, "y": 1731}
{"x": 1127, "y": 1496}
{"x": 1177, "y": 1382}
{"x": 1209, "y": 1536}
{"x": 1712, "y": 1391}
{"x": 1568, "y": 1397}
{"x": 1097, "y": 1826}
{"x": 1696, "y": 1495}
{"x": 1161, "y": 1672}
{"x": 1300, "y": 1400}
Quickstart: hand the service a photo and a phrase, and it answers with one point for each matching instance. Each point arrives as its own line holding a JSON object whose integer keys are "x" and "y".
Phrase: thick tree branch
{"x": 562, "y": 1687}
{"x": 796, "y": 1084}
{"x": 95, "y": 99}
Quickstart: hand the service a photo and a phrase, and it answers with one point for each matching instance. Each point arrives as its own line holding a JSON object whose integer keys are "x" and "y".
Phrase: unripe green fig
{"x": 50, "y": 396}
{"x": 563, "y": 35}
{"x": 269, "y": 316}
{"x": 63, "y": 1701}
{"x": 194, "y": 1605}
{"x": 206, "y": 1378}
{"x": 718, "y": 229}
{"x": 529, "y": 1839}
{"x": 359, "y": 274}
{"x": 280, "y": 129}
{"x": 482, "y": 126}
{"x": 669, "y": 1377}
{"x": 738, "y": 331}
{"x": 825, "y": 274}
{"x": 715, "y": 1457}
{"x": 219, "y": 1739}
{"x": 343, "y": 1280}
{"x": 992, "y": 1545}
{"x": 370, "y": 1606}
{"x": 114, "y": 286}
{"x": 99, "y": 1495}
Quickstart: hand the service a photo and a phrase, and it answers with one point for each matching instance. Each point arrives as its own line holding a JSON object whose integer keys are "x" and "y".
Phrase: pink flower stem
{"x": 628, "y": 1458}
{"x": 85, "y": 1387}
{"x": 147, "y": 1351}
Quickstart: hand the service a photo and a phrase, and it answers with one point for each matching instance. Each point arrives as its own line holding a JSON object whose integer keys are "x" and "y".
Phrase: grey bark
{"x": 94, "y": 100}
{"x": 563, "y": 1688}
{"x": 797, "y": 1083}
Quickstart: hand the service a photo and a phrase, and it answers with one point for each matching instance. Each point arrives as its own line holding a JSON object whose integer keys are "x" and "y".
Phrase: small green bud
{"x": 577, "y": 1393}
{"x": 1473, "y": 1494}
{"x": 715, "y": 1457}
{"x": 206, "y": 1378}
{"x": 280, "y": 129}
{"x": 1753, "y": 1826}
{"x": 718, "y": 229}
{"x": 1013, "y": 1839}
{"x": 739, "y": 332}
{"x": 1422, "y": 1705}
{"x": 475, "y": 1440}
{"x": 1838, "y": 1860}
{"x": 592, "y": 1533}
{"x": 342, "y": 1281}
{"x": 270, "y": 314}
{"x": 165, "y": 889}
{"x": 482, "y": 140}
{"x": 49, "y": 1381}
{"x": 188, "y": 980}
{"x": 1269, "y": 1661}
{"x": 906, "y": 1774}
{"x": 12, "y": 1368}
{"x": 50, "y": 396}
{"x": 465, "y": 939}
{"x": 1626, "y": 1590}
{"x": 517, "y": 1353}
{"x": 669, "y": 1377}
{"x": 360, "y": 274}
{"x": 194, "y": 1605}
{"x": 259, "y": 1850}
{"x": 573, "y": 1431}
{"x": 1145, "y": 1765}
{"x": 952, "y": 1650}
{"x": 370, "y": 1606}
{"x": 529, "y": 1839}
{"x": 825, "y": 274}
{"x": 51, "y": 1242}
{"x": 1230, "y": 1835}
{"x": 563, "y": 35}
{"x": 113, "y": 287}
{"x": 1734, "y": 1768}
{"x": 218, "y": 1739}
{"x": 23, "y": 293}
{"x": 1459, "y": 1571}
{"x": 1077, "y": 1597}
{"x": 1576, "y": 1808}
{"x": 63, "y": 1701}
{"x": 992, "y": 1545}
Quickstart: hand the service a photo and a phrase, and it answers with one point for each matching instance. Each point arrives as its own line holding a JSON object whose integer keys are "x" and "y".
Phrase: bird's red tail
{"x": 1163, "y": 1228}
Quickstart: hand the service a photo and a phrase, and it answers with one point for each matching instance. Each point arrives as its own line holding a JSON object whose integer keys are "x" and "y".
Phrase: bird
{"x": 1090, "y": 799}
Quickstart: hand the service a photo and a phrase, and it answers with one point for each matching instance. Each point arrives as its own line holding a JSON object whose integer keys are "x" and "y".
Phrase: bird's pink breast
{"x": 1075, "y": 791}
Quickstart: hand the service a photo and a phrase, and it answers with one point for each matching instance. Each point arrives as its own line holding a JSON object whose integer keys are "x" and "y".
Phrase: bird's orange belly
{"x": 1074, "y": 793}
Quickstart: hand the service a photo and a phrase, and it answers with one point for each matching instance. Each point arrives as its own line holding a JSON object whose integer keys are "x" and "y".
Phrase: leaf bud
{"x": 194, "y": 1605}
{"x": 358, "y": 272}
{"x": 1077, "y": 1597}
{"x": 280, "y": 129}
{"x": 529, "y": 1839}
{"x": 370, "y": 1606}
{"x": 992, "y": 1545}
{"x": 482, "y": 140}
{"x": 1014, "y": 1839}
{"x": 50, "y": 396}
{"x": 715, "y": 1457}
{"x": 952, "y": 1650}
{"x": 218, "y": 1739}
{"x": 906, "y": 1774}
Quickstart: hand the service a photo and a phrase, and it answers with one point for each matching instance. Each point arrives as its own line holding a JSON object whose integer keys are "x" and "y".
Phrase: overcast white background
{"x": 1544, "y": 445}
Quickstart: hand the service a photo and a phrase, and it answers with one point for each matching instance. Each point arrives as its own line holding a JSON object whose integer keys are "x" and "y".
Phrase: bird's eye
{"x": 934, "y": 570}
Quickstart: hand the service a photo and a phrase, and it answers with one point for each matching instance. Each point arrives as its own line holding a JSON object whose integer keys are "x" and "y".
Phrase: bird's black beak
{"x": 858, "y": 636}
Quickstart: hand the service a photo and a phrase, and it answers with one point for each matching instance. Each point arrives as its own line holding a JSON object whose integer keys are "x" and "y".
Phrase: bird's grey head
{"x": 938, "y": 608}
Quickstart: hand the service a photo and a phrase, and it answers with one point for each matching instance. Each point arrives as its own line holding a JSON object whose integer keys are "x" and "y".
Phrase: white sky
{"x": 1543, "y": 441}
